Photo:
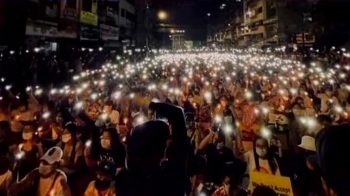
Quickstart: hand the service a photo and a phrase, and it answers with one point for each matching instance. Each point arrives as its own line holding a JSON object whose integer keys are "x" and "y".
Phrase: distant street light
{"x": 208, "y": 14}
{"x": 162, "y": 15}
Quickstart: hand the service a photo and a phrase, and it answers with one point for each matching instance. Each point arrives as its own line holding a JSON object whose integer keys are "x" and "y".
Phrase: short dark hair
{"x": 109, "y": 103}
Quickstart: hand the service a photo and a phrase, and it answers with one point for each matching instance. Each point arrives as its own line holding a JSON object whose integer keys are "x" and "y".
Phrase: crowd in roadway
{"x": 246, "y": 111}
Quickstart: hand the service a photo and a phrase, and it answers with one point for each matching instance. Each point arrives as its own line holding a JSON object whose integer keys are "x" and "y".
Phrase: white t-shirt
{"x": 5, "y": 180}
{"x": 114, "y": 116}
{"x": 60, "y": 186}
{"x": 263, "y": 163}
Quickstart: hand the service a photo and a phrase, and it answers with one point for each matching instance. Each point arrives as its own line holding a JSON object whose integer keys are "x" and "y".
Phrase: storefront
{"x": 110, "y": 36}
{"x": 41, "y": 26}
{"x": 89, "y": 33}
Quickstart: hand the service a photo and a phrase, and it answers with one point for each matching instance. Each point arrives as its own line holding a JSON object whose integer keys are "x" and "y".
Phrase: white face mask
{"x": 27, "y": 136}
{"x": 45, "y": 169}
{"x": 66, "y": 137}
{"x": 261, "y": 151}
{"x": 220, "y": 145}
{"x": 106, "y": 144}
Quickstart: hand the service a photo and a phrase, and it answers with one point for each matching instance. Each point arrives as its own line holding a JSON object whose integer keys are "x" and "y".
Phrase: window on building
{"x": 259, "y": 10}
{"x": 71, "y": 3}
{"x": 130, "y": 16}
{"x": 87, "y": 5}
{"x": 123, "y": 12}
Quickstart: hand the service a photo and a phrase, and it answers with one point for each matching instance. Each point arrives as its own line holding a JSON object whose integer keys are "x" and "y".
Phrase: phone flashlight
{"x": 88, "y": 143}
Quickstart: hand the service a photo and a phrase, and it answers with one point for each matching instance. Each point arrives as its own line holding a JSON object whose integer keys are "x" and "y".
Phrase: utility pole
{"x": 303, "y": 33}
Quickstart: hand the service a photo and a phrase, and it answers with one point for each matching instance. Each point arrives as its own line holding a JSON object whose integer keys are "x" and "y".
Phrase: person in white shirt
{"x": 45, "y": 180}
{"x": 112, "y": 114}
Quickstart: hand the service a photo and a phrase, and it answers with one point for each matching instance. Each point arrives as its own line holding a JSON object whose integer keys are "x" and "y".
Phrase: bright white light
{"x": 308, "y": 121}
{"x": 116, "y": 95}
{"x": 104, "y": 116}
{"x": 248, "y": 94}
{"x": 162, "y": 15}
{"x": 218, "y": 119}
{"x": 8, "y": 87}
{"x": 46, "y": 115}
{"x": 265, "y": 110}
{"x": 53, "y": 91}
{"x": 79, "y": 105}
{"x": 293, "y": 91}
{"x": 228, "y": 129}
{"x": 75, "y": 77}
{"x": 88, "y": 143}
{"x": 265, "y": 132}
{"x": 19, "y": 155}
{"x": 338, "y": 109}
{"x": 93, "y": 96}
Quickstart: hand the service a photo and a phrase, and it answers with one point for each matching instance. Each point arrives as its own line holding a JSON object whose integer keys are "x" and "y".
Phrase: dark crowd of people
{"x": 185, "y": 123}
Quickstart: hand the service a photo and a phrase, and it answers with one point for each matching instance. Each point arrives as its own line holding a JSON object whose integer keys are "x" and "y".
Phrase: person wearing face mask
{"x": 31, "y": 149}
{"x": 260, "y": 159}
{"x": 72, "y": 150}
{"x": 110, "y": 149}
{"x": 46, "y": 179}
{"x": 103, "y": 184}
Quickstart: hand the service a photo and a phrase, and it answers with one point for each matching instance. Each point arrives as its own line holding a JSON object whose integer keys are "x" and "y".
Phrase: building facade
{"x": 54, "y": 25}
{"x": 259, "y": 23}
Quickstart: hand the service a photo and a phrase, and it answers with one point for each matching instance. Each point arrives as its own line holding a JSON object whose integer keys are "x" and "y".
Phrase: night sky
{"x": 190, "y": 13}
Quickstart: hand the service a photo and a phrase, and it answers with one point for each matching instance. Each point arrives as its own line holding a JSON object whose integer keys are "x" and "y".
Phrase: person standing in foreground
{"x": 332, "y": 143}
{"x": 45, "y": 180}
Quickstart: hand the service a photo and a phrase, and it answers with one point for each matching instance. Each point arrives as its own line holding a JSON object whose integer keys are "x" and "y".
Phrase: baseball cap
{"x": 332, "y": 143}
{"x": 53, "y": 155}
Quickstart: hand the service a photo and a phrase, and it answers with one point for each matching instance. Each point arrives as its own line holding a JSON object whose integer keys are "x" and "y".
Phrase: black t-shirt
{"x": 130, "y": 183}
{"x": 116, "y": 155}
